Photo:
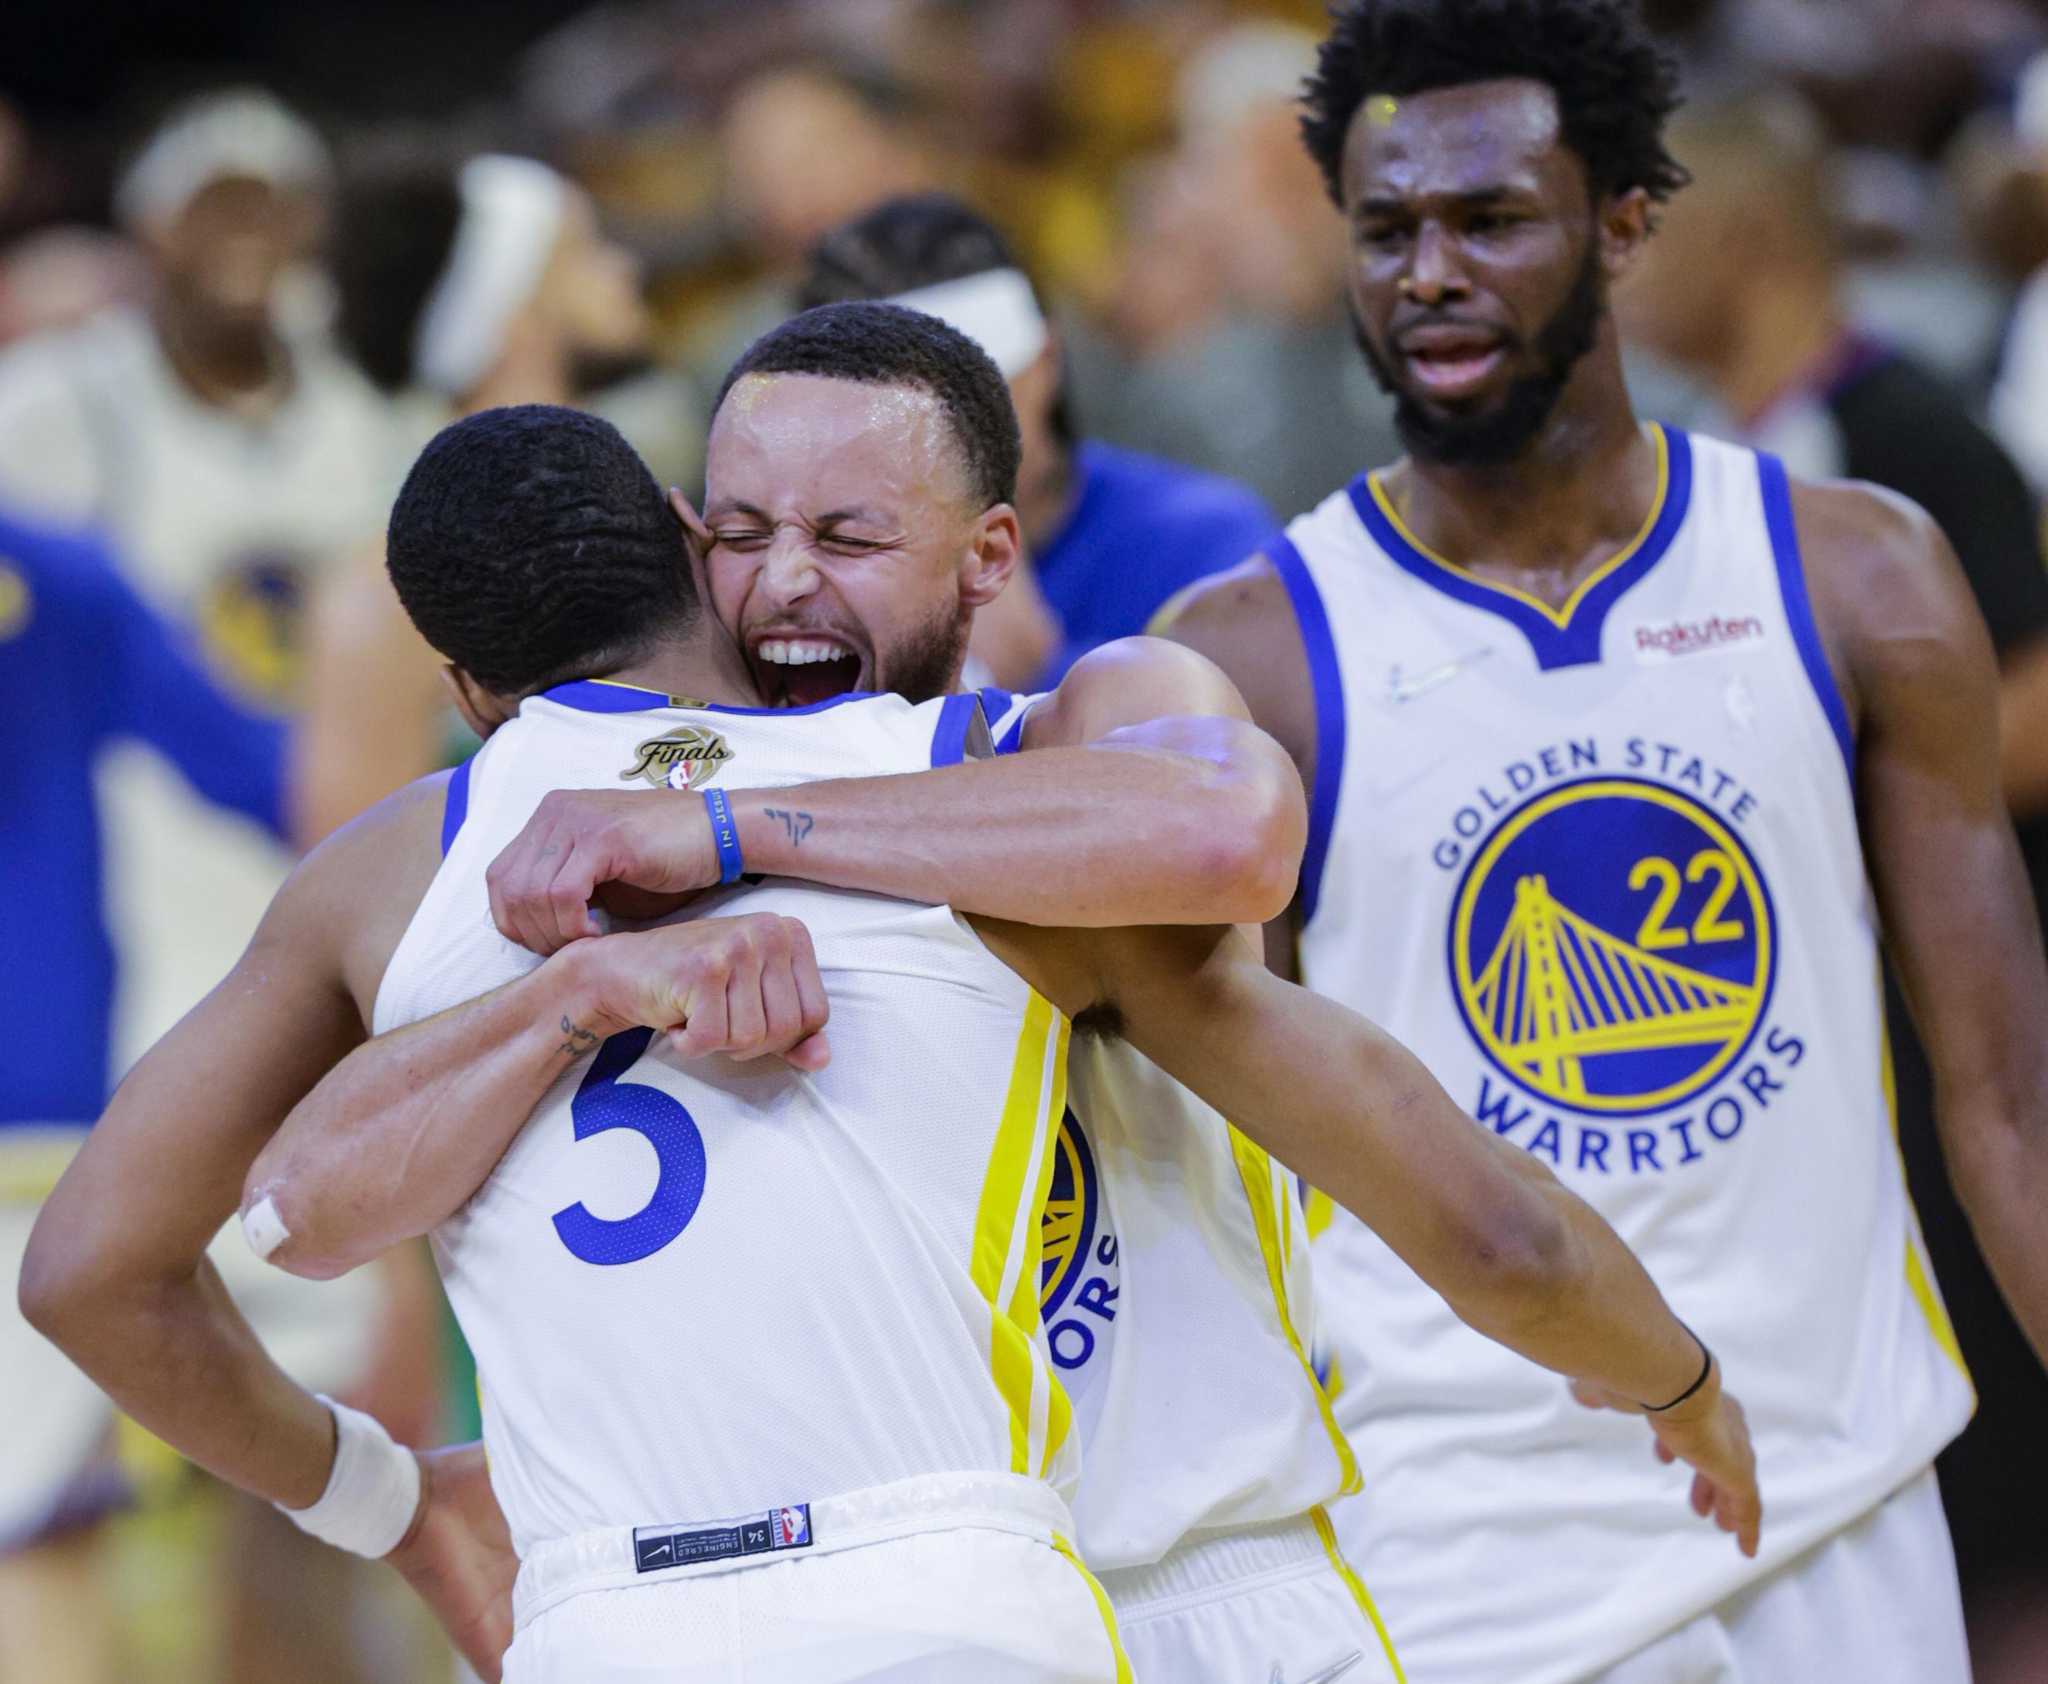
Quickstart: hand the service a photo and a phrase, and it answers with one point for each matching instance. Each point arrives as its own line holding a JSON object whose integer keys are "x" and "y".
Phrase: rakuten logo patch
{"x": 1697, "y": 637}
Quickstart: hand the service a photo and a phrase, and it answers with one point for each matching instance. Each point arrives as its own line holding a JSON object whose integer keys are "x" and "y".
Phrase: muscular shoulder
{"x": 1130, "y": 682}
{"x": 349, "y": 901}
{"x": 1889, "y": 598}
{"x": 1243, "y": 620}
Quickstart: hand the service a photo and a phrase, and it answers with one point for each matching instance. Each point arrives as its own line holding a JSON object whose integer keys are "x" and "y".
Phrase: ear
{"x": 995, "y": 549}
{"x": 483, "y": 711}
{"x": 694, "y": 528}
{"x": 1627, "y": 222}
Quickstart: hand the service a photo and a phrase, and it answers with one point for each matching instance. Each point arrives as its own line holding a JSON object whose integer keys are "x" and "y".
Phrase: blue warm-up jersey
{"x": 83, "y": 662}
{"x": 1141, "y": 530}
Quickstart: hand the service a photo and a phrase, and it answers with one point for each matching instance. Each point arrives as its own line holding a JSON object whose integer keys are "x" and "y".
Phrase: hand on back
{"x": 638, "y": 853}
{"x": 747, "y": 987}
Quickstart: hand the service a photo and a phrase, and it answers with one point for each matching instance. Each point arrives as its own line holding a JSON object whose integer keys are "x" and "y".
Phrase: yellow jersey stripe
{"x": 1116, "y": 1642}
{"x": 1026, "y": 1298}
{"x": 1022, "y": 1138}
{"x": 1559, "y": 617}
{"x": 1919, "y": 1281}
{"x": 1356, "y": 1585}
{"x": 1255, "y": 1169}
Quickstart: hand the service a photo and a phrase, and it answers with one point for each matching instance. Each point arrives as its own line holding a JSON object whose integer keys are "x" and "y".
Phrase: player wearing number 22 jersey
{"x": 830, "y": 1281}
{"x": 1601, "y": 870}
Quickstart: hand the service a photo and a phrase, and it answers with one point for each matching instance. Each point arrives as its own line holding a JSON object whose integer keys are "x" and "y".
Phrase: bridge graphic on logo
{"x": 1558, "y": 990}
{"x": 1066, "y": 1226}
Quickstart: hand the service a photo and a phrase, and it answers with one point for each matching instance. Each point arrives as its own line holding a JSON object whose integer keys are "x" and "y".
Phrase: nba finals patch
{"x": 1611, "y": 950}
{"x": 687, "y": 758}
{"x": 692, "y": 1544}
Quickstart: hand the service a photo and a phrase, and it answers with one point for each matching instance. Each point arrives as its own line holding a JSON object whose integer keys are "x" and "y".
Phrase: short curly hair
{"x": 1615, "y": 87}
{"x": 887, "y": 345}
{"x": 530, "y": 545}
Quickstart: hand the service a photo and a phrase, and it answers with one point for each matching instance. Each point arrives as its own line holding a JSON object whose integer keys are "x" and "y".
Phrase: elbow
{"x": 1520, "y": 1268}
{"x": 1249, "y": 844}
{"x": 280, "y": 1232}
{"x": 58, "y": 1287}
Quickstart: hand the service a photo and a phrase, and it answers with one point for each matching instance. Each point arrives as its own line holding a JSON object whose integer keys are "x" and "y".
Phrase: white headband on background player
{"x": 996, "y": 309}
{"x": 242, "y": 134}
{"x": 512, "y": 213}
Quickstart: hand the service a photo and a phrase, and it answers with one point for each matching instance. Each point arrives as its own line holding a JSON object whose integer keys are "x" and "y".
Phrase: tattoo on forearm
{"x": 576, "y": 1041}
{"x": 798, "y": 825}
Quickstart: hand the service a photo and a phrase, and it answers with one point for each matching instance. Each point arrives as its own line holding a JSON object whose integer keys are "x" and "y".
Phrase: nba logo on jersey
{"x": 792, "y": 1526}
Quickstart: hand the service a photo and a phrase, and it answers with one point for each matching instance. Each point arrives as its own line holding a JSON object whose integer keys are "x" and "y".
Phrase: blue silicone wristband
{"x": 726, "y": 834}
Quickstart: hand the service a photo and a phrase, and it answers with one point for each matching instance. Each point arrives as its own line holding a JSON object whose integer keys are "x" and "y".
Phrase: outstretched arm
{"x": 1153, "y": 801}
{"x": 1959, "y": 917}
{"x": 116, "y": 1272}
{"x": 1513, "y": 1252}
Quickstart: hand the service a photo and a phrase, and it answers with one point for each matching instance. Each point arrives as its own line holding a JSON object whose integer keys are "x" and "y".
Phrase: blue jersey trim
{"x": 996, "y": 703}
{"x": 1328, "y": 683}
{"x": 1567, "y": 637}
{"x": 602, "y": 695}
{"x": 456, "y": 807}
{"x": 1784, "y": 530}
{"x": 956, "y": 719}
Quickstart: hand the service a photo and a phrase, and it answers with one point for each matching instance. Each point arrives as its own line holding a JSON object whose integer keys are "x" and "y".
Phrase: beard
{"x": 924, "y": 663}
{"x": 1492, "y": 437}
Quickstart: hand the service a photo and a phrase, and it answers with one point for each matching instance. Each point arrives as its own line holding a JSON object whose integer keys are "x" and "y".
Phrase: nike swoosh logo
{"x": 1328, "y": 1675}
{"x": 1401, "y": 689}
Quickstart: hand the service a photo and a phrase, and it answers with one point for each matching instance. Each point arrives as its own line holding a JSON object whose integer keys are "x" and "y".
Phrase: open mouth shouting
{"x": 797, "y": 669}
{"x": 1453, "y": 362}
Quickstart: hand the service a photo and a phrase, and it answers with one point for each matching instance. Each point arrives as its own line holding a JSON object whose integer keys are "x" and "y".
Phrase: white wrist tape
{"x": 373, "y": 1493}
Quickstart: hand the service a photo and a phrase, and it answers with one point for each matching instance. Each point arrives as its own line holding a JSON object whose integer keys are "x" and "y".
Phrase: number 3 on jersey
{"x": 606, "y": 1101}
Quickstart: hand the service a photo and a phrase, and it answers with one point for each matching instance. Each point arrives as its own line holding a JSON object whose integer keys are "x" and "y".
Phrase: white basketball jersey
{"x": 723, "y": 1288}
{"x": 1178, "y": 1303}
{"x": 1600, "y": 870}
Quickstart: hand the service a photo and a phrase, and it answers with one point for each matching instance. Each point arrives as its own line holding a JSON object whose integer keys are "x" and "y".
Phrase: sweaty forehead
{"x": 1483, "y": 135}
{"x": 804, "y": 442}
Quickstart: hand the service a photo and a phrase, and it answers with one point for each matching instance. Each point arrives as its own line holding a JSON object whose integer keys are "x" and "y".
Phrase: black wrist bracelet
{"x": 1706, "y": 1368}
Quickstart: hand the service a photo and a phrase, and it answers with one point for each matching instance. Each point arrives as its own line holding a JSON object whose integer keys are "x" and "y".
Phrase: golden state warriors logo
{"x": 685, "y": 759}
{"x": 1077, "y": 1284}
{"x": 1612, "y": 946}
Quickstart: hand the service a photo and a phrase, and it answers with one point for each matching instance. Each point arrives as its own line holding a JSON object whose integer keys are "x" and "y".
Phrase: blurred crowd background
{"x": 222, "y": 231}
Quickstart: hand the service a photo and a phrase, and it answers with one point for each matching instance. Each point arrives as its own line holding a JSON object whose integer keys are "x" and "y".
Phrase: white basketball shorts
{"x": 1271, "y": 1604}
{"x": 938, "y": 1580}
{"x": 1876, "y": 1603}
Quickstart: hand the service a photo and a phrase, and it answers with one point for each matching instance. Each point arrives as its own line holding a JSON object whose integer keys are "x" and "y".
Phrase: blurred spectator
{"x": 226, "y": 448}
{"x": 224, "y": 455}
{"x": 1111, "y": 534}
{"x": 82, "y": 662}
{"x": 460, "y": 290}
{"x": 1743, "y": 284}
{"x": 802, "y": 150}
{"x": 1233, "y": 297}
{"x": 62, "y": 277}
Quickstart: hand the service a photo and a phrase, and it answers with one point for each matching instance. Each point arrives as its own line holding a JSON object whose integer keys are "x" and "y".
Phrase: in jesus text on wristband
{"x": 725, "y": 834}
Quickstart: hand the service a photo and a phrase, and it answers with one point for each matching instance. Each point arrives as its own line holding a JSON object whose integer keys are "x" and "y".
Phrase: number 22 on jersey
{"x": 606, "y": 1101}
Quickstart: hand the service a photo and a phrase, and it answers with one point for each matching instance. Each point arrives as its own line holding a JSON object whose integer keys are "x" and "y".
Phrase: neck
{"x": 1582, "y": 488}
{"x": 702, "y": 663}
{"x": 532, "y": 368}
{"x": 229, "y": 366}
{"x": 1781, "y": 332}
